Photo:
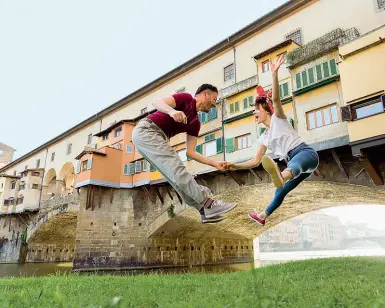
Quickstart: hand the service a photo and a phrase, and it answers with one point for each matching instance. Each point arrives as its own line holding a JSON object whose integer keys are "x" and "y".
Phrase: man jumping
{"x": 179, "y": 114}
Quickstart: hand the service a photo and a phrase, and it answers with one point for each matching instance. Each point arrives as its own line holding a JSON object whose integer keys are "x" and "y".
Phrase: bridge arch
{"x": 66, "y": 178}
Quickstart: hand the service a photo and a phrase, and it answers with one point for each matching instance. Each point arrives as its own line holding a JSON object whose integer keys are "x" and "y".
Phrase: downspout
{"x": 293, "y": 99}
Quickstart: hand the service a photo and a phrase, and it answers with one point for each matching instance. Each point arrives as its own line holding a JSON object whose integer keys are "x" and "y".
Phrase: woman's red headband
{"x": 262, "y": 94}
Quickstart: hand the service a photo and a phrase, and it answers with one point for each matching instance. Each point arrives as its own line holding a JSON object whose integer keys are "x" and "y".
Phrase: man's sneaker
{"x": 253, "y": 216}
{"x": 272, "y": 168}
{"x": 217, "y": 207}
{"x": 205, "y": 220}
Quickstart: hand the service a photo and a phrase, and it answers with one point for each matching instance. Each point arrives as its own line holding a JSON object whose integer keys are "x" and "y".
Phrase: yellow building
{"x": 363, "y": 85}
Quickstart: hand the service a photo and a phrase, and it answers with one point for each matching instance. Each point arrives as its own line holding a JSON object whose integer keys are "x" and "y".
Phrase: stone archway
{"x": 66, "y": 179}
{"x": 49, "y": 186}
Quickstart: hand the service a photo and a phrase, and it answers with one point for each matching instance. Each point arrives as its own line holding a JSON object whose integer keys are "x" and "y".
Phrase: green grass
{"x": 337, "y": 282}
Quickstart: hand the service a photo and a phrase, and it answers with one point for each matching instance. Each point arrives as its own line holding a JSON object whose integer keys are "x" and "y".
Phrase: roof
{"x": 274, "y": 48}
{"x": 229, "y": 42}
{"x": 109, "y": 129}
{"x": 95, "y": 152}
{"x": 9, "y": 176}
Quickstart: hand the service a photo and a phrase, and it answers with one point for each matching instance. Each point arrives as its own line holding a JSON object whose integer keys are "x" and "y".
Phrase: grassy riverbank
{"x": 339, "y": 282}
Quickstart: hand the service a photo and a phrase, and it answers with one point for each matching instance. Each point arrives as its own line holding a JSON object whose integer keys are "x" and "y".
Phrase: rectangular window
{"x": 381, "y": 4}
{"x": 229, "y": 72}
{"x": 265, "y": 66}
{"x": 236, "y": 107}
{"x": 322, "y": 117}
{"x": 143, "y": 111}
{"x": 295, "y": 36}
{"x": 210, "y": 148}
{"x": 209, "y": 137}
{"x": 129, "y": 148}
{"x": 144, "y": 163}
{"x": 105, "y": 137}
{"x": 69, "y": 148}
{"x": 182, "y": 155}
{"x": 181, "y": 90}
{"x": 84, "y": 165}
{"x": 89, "y": 139}
{"x": 243, "y": 142}
{"x": 13, "y": 185}
{"x": 129, "y": 169}
{"x": 118, "y": 132}
{"x": 35, "y": 186}
{"x": 52, "y": 156}
{"x": 138, "y": 166}
{"x": 369, "y": 109}
{"x": 38, "y": 163}
{"x": 36, "y": 174}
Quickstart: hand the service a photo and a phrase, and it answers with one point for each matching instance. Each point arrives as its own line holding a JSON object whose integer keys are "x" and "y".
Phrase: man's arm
{"x": 277, "y": 105}
{"x": 167, "y": 105}
{"x": 191, "y": 152}
{"x": 261, "y": 150}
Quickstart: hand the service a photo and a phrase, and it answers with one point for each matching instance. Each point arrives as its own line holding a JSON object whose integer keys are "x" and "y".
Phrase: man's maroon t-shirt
{"x": 186, "y": 103}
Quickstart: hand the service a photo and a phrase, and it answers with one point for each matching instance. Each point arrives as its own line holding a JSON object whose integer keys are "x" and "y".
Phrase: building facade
{"x": 321, "y": 86}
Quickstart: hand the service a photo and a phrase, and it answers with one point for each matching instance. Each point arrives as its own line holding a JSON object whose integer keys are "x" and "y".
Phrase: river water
{"x": 266, "y": 258}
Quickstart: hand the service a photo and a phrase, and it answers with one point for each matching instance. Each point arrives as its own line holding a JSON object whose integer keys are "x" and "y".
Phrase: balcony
{"x": 321, "y": 46}
{"x": 238, "y": 87}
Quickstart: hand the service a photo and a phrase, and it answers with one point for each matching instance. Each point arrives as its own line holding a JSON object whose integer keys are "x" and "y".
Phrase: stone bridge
{"x": 108, "y": 228}
{"x": 349, "y": 242}
{"x": 51, "y": 233}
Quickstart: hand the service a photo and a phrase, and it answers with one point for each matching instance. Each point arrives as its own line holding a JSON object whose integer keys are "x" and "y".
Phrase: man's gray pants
{"x": 151, "y": 142}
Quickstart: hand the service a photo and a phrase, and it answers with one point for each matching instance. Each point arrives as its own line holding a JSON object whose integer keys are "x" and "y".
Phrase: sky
{"x": 63, "y": 61}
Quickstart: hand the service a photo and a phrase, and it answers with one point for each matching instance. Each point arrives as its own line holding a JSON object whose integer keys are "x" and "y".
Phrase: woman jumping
{"x": 283, "y": 140}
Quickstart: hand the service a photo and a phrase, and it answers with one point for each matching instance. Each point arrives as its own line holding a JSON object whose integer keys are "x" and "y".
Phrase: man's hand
{"x": 178, "y": 116}
{"x": 230, "y": 166}
{"x": 220, "y": 165}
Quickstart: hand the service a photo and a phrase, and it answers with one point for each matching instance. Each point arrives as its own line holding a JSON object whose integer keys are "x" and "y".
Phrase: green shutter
{"x": 152, "y": 168}
{"x": 200, "y": 117}
{"x": 245, "y": 103}
{"x": 298, "y": 80}
{"x": 285, "y": 88}
{"x": 205, "y": 117}
{"x": 231, "y": 108}
{"x": 199, "y": 148}
{"x": 219, "y": 145}
{"x": 214, "y": 113}
{"x": 291, "y": 122}
{"x": 251, "y": 99}
{"x": 333, "y": 67}
{"x": 319, "y": 72}
{"x": 209, "y": 137}
{"x": 326, "y": 69}
{"x": 261, "y": 130}
{"x": 304, "y": 78}
{"x": 230, "y": 145}
{"x": 280, "y": 91}
{"x": 311, "y": 75}
{"x": 236, "y": 106}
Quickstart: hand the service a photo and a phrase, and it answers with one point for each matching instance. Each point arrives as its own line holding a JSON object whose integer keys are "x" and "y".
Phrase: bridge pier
{"x": 118, "y": 236}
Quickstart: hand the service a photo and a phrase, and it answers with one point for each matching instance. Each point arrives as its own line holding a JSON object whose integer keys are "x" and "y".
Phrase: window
{"x": 22, "y": 186}
{"x": 381, "y": 4}
{"x": 181, "y": 90}
{"x": 35, "y": 186}
{"x": 89, "y": 139}
{"x": 105, "y": 137}
{"x": 13, "y": 185}
{"x": 284, "y": 90}
{"x": 243, "y": 142}
{"x": 84, "y": 165}
{"x": 209, "y": 137}
{"x": 265, "y": 66}
{"x": 19, "y": 200}
{"x": 69, "y": 148}
{"x": 322, "y": 117}
{"x": 247, "y": 102}
{"x": 369, "y": 110}
{"x": 38, "y": 163}
{"x": 118, "y": 132}
{"x": 129, "y": 148}
{"x": 182, "y": 155}
{"x": 234, "y": 107}
{"x": 14, "y": 173}
{"x": 2, "y": 185}
{"x": 315, "y": 74}
{"x": 1, "y": 152}
{"x": 229, "y": 72}
{"x": 53, "y": 156}
{"x": 295, "y": 36}
{"x": 35, "y": 173}
{"x": 210, "y": 148}
{"x": 143, "y": 111}
{"x": 138, "y": 166}
{"x": 211, "y": 115}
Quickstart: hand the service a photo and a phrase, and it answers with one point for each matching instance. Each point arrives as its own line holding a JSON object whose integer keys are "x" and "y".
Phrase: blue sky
{"x": 61, "y": 62}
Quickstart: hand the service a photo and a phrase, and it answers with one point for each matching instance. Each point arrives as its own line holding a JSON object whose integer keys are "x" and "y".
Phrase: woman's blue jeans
{"x": 302, "y": 161}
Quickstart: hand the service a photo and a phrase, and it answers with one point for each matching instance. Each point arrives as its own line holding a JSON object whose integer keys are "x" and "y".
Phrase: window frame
{"x": 314, "y": 111}
{"x": 263, "y": 66}
{"x": 230, "y": 71}
{"x": 248, "y": 137}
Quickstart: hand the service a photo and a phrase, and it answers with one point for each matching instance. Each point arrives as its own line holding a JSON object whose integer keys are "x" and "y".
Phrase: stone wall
{"x": 11, "y": 229}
